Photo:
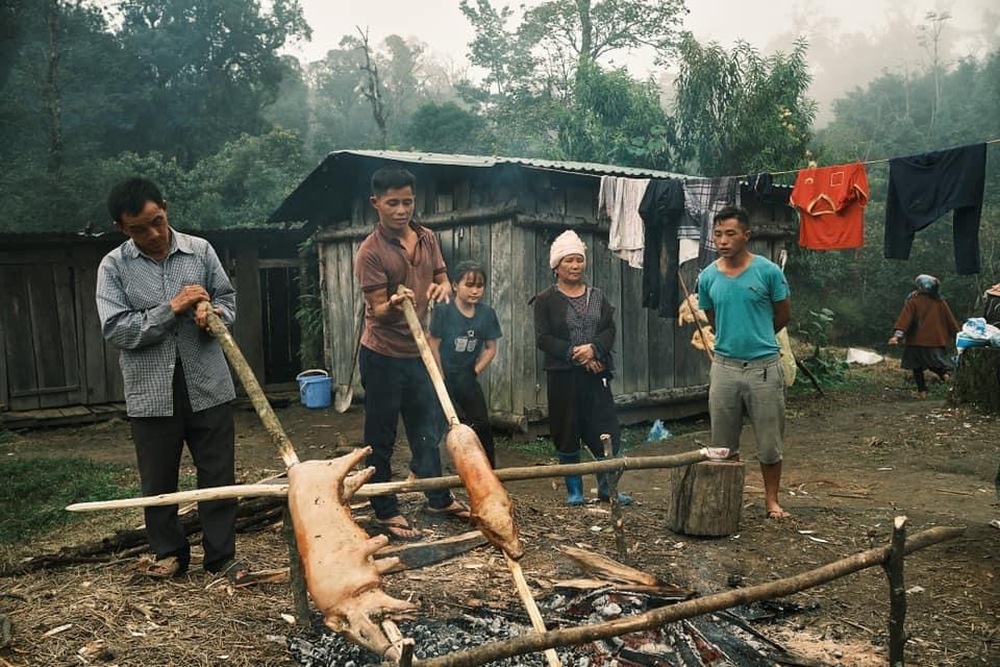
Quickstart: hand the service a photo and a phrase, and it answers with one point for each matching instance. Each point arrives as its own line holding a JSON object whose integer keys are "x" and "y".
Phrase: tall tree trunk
{"x": 53, "y": 106}
{"x": 372, "y": 90}
{"x": 586, "y": 31}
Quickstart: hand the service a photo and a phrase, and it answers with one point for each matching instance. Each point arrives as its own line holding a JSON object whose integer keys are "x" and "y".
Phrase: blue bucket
{"x": 315, "y": 388}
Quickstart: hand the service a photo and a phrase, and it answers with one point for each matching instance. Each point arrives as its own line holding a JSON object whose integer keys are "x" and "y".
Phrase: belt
{"x": 732, "y": 362}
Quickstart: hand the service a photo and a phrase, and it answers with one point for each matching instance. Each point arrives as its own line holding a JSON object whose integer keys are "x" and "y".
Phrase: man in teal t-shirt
{"x": 746, "y": 300}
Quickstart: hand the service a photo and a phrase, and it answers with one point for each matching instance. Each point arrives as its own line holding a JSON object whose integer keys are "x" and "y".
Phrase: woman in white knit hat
{"x": 575, "y": 328}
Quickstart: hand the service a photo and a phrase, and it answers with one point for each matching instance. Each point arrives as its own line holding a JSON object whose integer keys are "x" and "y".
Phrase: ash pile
{"x": 714, "y": 640}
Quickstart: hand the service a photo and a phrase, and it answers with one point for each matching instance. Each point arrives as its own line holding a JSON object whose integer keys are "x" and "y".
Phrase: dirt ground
{"x": 853, "y": 461}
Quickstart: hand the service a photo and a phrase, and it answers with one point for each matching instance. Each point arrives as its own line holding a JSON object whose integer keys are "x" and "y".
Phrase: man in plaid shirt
{"x": 178, "y": 387}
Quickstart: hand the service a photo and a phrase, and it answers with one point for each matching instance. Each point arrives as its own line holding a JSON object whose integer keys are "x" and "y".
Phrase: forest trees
{"x": 549, "y": 89}
{"x": 163, "y": 84}
{"x": 738, "y": 111}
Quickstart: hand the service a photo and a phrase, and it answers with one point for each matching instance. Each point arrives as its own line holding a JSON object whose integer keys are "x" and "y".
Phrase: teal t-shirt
{"x": 744, "y": 307}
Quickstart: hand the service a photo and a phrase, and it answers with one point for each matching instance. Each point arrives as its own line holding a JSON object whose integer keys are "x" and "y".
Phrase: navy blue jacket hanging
{"x": 922, "y": 188}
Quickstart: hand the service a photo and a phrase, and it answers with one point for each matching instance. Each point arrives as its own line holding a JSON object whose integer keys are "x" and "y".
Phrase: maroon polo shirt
{"x": 382, "y": 264}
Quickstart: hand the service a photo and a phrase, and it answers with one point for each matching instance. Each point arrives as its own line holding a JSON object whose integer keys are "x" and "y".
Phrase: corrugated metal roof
{"x": 323, "y": 196}
{"x": 458, "y": 160}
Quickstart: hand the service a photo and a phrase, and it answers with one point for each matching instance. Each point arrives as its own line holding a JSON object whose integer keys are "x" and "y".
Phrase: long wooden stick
{"x": 253, "y": 388}
{"x": 260, "y": 403}
{"x": 437, "y": 379}
{"x": 697, "y": 322}
{"x": 537, "y": 622}
{"x": 430, "y": 483}
{"x": 675, "y": 612}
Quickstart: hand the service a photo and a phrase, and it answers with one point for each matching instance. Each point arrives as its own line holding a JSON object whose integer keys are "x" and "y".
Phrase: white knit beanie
{"x": 567, "y": 243}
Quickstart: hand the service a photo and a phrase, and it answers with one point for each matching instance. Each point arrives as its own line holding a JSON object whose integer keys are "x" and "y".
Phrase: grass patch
{"x": 35, "y": 491}
{"x": 539, "y": 447}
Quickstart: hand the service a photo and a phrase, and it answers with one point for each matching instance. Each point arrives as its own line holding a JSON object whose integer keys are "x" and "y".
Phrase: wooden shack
{"x": 52, "y": 353}
{"x": 505, "y": 212}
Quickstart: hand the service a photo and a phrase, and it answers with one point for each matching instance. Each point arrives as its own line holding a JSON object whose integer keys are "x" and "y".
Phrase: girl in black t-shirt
{"x": 463, "y": 337}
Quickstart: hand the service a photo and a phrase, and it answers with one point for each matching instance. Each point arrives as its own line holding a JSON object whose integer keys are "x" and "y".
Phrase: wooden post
{"x": 706, "y": 498}
{"x": 893, "y": 567}
{"x": 296, "y": 578}
{"x": 617, "y": 523}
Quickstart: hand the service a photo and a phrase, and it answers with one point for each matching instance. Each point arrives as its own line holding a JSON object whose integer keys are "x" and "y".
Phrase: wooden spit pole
{"x": 437, "y": 379}
{"x": 267, "y": 416}
{"x": 391, "y": 488}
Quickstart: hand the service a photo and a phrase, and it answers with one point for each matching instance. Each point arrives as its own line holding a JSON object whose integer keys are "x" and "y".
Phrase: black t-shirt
{"x": 463, "y": 338}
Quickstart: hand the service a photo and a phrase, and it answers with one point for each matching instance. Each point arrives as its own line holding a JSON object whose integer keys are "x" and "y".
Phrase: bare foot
{"x": 776, "y": 512}
{"x": 921, "y": 395}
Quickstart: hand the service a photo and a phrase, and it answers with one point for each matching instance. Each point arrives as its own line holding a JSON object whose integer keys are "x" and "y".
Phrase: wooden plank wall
{"x": 40, "y": 332}
{"x": 101, "y": 372}
{"x": 52, "y": 351}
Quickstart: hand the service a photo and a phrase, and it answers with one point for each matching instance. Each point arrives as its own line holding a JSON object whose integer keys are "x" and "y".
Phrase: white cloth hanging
{"x": 619, "y": 198}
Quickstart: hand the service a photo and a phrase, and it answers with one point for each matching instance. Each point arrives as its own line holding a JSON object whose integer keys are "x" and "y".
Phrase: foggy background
{"x": 850, "y": 41}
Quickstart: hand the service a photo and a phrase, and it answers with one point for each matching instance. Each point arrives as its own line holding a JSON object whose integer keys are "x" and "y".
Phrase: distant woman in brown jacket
{"x": 927, "y": 328}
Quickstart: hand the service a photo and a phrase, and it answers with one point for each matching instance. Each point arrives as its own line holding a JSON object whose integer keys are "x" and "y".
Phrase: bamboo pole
{"x": 524, "y": 592}
{"x": 389, "y": 488}
{"x": 580, "y": 635}
{"x": 264, "y": 410}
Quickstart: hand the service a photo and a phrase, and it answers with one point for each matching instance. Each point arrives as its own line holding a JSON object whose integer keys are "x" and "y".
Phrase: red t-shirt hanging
{"x": 831, "y": 205}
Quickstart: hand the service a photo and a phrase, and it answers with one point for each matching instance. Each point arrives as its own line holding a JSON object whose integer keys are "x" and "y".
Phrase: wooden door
{"x": 38, "y": 325}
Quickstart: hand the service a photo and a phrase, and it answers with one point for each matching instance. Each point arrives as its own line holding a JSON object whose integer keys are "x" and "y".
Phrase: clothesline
{"x": 864, "y": 162}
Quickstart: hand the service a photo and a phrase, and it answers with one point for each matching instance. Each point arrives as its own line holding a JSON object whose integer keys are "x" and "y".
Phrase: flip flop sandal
{"x": 391, "y": 527}
{"x": 234, "y": 571}
{"x": 163, "y": 568}
{"x": 457, "y": 510}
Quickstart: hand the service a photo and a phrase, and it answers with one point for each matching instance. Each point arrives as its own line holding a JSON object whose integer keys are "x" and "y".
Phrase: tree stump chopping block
{"x": 706, "y": 498}
{"x": 977, "y": 379}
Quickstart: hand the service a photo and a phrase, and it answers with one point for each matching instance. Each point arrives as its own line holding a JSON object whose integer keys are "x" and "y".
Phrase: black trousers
{"x": 397, "y": 388}
{"x": 581, "y": 407}
{"x": 470, "y": 404}
{"x": 159, "y": 442}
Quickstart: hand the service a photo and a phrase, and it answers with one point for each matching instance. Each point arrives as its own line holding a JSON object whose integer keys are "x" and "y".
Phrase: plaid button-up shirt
{"x": 133, "y": 302}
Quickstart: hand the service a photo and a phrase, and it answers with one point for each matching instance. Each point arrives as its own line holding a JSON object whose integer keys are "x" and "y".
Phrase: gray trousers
{"x": 755, "y": 388}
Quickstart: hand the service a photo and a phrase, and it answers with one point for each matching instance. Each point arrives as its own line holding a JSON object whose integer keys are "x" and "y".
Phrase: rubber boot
{"x": 574, "y": 483}
{"x": 604, "y": 491}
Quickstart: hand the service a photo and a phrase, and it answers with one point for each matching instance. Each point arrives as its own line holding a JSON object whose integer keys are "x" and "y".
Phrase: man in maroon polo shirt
{"x": 400, "y": 252}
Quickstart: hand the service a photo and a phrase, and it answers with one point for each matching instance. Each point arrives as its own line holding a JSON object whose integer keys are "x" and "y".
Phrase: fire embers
{"x": 432, "y": 639}
{"x": 710, "y": 641}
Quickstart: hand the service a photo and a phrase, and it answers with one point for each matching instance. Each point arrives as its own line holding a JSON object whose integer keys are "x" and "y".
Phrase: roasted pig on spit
{"x": 492, "y": 509}
{"x": 341, "y": 574}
